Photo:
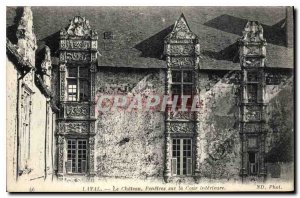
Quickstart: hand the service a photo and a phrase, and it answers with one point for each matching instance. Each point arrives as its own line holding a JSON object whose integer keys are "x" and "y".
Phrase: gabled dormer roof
{"x": 181, "y": 30}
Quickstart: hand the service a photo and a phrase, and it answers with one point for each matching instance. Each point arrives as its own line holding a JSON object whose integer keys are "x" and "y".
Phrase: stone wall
{"x": 219, "y": 132}
{"x": 130, "y": 144}
{"x": 280, "y": 129}
{"x": 11, "y": 120}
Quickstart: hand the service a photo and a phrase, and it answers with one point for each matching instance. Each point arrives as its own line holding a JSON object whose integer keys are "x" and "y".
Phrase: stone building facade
{"x": 242, "y": 131}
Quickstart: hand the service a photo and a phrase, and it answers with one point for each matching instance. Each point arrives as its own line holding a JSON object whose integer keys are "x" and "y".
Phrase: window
{"x": 77, "y": 156}
{"x": 78, "y": 84}
{"x": 253, "y": 163}
{"x": 25, "y": 130}
{"x": 182, "y": 156}
{"x": 252, "y": 92}
{"x": 182, "y": 84}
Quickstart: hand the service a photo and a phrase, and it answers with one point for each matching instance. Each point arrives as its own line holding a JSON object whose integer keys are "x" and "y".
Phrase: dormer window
{"x": 78, "y": 84}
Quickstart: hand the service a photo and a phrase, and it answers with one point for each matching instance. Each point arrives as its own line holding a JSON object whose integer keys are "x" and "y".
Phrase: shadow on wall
{"x": 11, "y": 31}
{"x": 153, "y": 47}
{"x": 275, "y": 34}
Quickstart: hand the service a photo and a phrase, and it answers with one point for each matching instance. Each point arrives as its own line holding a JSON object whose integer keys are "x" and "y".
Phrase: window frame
{"x": 182, "y": 84}
{"x": 188, "y": 167}
{"x": 79, "y": 79}
{"x": 69, "y": 163}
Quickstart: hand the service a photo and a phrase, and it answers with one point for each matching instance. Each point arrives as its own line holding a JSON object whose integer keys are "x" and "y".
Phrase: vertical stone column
{"x": 197, "y": 123}
{"x": 91, "y": 156}
{"x": 167, "y": 169}
{"x": 60, "y": 166}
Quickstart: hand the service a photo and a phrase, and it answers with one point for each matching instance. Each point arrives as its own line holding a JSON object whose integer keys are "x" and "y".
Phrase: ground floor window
{"x": 182, "y": 156}
{"x": 253, "y": 163}
{"x": 77, "y": 156}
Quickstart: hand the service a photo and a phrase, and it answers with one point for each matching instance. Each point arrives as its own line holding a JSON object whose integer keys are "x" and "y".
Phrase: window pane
{"x": 181, "y": 151}
{"x": 83, "y": 72}
{"x": 72, "y": 71}
{"x": 176, "y": 76}
{"x": 187, "y": 76}
{"x": 84, "y": 90}
{"x": 176, "y": 89}
{"x": 72, "y": 90}
{"x": 187, "y": 90}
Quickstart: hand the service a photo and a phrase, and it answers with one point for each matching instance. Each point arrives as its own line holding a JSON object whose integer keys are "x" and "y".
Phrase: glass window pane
{"x": 187, "y": 90}
{"x": 72, "y": 71}
{"x": 187, "y": 76}
{"x": 176, "y": 76}
{"x": 84, "y": 72}
{"x": 176, "y": 89}
{"x": 84, "y": 90}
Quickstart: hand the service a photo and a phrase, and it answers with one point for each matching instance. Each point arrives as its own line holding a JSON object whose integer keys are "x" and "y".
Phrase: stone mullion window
{"x": 76, "y": 155}
{"x": 182, "y": 84}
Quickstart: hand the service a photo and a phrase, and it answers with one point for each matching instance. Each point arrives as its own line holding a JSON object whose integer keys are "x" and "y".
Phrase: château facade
{"x": 243, "y": 130}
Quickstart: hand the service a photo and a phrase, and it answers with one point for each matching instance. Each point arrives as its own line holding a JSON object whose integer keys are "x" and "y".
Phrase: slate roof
{"x": 139, "y": 32}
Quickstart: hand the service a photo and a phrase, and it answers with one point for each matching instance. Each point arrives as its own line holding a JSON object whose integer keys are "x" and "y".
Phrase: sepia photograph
{"x": 150, "y": 99}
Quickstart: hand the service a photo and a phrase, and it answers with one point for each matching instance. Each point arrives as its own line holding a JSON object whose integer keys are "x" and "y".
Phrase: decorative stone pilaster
{"x": 252, "y": 58}
{"x": 60, "y": 158}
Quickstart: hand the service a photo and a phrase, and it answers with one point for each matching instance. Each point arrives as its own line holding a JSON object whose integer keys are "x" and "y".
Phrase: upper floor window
{"x": 77, "y": 156}
{"x": 78, "y": 84}
{"x": 182, "y": 84}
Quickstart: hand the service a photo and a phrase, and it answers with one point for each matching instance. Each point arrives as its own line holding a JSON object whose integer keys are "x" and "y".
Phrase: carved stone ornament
{"x": 182, "y": 50}
{"x": 77, "y": 110}
{"x": 78, "y": 56}
{"x": 181, "y": 115}
{"x": 77, "y": 127}
{"x": 253, "y": 32}
{"x": 251, "y": 128}
{"x": 181, "y": 30}
{"x": 252, "y": 62}
{"x": 79, "y": 26}
{"x": 182, "y": 62}
{"x": 75, "y": 44}
{"x": 46, "y": 63}
{"x": 181, "y": 127}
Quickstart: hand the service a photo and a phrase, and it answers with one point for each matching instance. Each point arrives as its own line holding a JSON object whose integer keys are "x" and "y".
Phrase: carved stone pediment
{"x": 253, "y": 32}
{"x": 181, "y": 30}
{"x": 79, "y": 27}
